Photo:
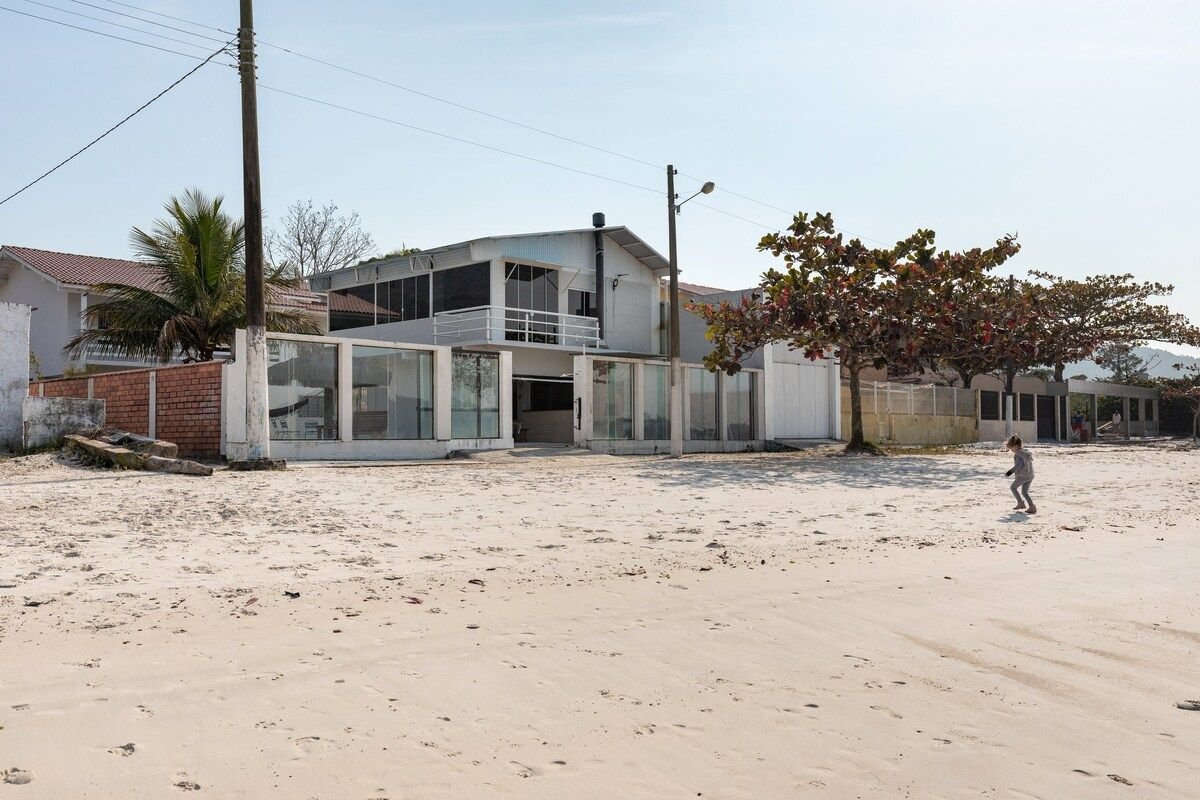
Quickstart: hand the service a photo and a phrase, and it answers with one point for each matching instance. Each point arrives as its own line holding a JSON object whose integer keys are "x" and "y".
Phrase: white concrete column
{"x": 443, "y": 371}
{"x": 581, "y": 408}
{"x": 506, "y": 398}
{"x": 92, "y": 388}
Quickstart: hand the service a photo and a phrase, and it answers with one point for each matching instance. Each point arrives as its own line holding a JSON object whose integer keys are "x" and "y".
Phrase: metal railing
{"x": 498, "y": 324}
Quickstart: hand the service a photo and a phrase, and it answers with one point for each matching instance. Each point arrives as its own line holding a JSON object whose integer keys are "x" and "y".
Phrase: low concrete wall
{"x": 649, "y": 447}
{"x": 991, "y": 430}
{"x": 913, "y": 428}
{"x": 49, "y": 419}
{"x": 14, "y": 371}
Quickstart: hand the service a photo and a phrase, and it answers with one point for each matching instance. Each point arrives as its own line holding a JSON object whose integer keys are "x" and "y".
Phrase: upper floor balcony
{"x": 502, "y": 325}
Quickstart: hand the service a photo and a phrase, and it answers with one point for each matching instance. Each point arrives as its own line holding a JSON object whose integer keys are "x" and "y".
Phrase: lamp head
{"x": 708, "y": 187}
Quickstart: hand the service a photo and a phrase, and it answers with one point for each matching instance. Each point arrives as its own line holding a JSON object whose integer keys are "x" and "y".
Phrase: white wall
{"x": 14, "y": 371}
{"x": 803, "y": 395}
{"x": 51, "y": 325}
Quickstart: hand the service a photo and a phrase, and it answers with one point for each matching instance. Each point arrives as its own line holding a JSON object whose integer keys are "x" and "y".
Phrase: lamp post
{"x": 676, "y": 412}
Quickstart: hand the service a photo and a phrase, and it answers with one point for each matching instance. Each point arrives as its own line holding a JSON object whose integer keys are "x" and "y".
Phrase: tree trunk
{"x": 965, "y": 376}
{"x": 1059, "y": 368}
{"x": 856, "y": 424}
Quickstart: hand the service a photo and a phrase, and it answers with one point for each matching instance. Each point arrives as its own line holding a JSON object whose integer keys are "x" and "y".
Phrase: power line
{"x": 454, "y": 138}
{"x": 137, "y": 111}
{"x": 454, "y": 104}
{"x": 147, "y": 21}
{"x": 116, "y": 24}
{"x": 473, "y": 110}
{"x": 105, "y": 35}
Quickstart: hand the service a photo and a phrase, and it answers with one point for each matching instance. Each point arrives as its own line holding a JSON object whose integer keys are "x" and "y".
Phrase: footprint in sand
{"x": 887, "y": 711}
{"x": 524, "y": 771}
{"x": 123, "y": 750}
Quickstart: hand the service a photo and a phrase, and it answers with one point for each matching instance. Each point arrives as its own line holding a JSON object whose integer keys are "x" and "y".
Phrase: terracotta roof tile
{"x": 80, "y": 270}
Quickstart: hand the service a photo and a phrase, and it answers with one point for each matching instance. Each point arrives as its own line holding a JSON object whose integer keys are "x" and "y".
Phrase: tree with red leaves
{"x": 864, "y": 306}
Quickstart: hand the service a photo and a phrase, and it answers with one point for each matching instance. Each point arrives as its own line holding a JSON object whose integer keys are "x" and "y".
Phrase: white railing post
{"x": 933, "y": 387}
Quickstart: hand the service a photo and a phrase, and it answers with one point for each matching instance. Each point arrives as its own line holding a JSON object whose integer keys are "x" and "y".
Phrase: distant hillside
{"x": 1159, "y": 363}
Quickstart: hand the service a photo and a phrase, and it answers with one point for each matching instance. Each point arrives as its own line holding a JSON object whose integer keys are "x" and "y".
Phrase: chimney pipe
{"x": 598, "y": 237}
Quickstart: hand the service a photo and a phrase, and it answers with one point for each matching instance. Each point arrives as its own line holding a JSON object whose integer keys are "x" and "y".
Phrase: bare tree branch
{"x": 309, "y": 240}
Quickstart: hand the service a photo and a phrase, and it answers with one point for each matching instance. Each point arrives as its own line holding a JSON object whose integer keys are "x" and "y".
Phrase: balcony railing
{"x": 499, "y": 325}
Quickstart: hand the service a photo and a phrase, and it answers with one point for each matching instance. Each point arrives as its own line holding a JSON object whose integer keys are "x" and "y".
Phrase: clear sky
{"x": 1073, "y": 124}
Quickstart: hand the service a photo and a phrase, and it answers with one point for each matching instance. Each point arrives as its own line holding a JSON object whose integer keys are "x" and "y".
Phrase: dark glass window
{"x": 1025, "y": 411}
{"x": 989, "y": 405}
{"x": 1149, "y": 410}
{"x": 462, "y": 287}
{"x": 352, "y": 308}
{"x": 406, "y": 299}
{"x": 548, "y": 396}
{"x": 1134, "y": 405}
{"x": 581, "y": 303}
{"x": 531, "y": 300}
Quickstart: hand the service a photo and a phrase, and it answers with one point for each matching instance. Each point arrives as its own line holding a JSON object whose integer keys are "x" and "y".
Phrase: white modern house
{"x": 547, "y": 298}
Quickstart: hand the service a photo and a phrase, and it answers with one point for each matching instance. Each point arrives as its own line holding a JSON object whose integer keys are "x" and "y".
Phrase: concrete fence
{"x": 899, "y": 413}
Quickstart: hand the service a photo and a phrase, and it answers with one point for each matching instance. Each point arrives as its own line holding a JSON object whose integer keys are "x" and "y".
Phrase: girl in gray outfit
{"x": 1023, "y": 470}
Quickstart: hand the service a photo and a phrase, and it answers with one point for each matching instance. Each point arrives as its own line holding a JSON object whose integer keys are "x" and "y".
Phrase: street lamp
{"x": 673, "y": 208}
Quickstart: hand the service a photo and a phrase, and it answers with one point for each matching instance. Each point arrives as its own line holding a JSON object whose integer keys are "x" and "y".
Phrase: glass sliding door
{"x": 531, "y": 303}
{"x": 302, "y": 384}
{"x": 612, "y": 400}
{"x": 657, "y": 399}
{"x": 739, "y": 406}
{"x": 393, "y": 393}
{"x": 475, "y": 396}
{"x": 702, "y": 395}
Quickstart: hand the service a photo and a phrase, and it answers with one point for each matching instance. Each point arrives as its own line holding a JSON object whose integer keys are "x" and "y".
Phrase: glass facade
{"x": 612, "y": 400}
{"x": 656, "y": 401}
{"x": 531, "y": 303}
{"x": 462, "y": 287}
{"x": 703, "y": 421}
{"x": 302, "y": 390}
{"x": 475, "y": 396}
{"x": 403, "y": 299}
{"x": 581, "y": 303}
{"x": 739, "y": 406}
{"x": 393, "y": 393}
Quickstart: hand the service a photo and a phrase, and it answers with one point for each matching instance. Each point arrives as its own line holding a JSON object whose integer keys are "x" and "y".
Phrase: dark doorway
{"x": 542, "y": 409}
{"x": 1046, "y": 427}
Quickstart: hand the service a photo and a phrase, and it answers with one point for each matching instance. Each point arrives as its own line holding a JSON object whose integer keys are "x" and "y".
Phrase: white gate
{"x": 801, "y": 397}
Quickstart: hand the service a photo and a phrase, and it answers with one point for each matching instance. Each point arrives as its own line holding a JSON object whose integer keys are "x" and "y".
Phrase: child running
{"x": 1023, "y": 469}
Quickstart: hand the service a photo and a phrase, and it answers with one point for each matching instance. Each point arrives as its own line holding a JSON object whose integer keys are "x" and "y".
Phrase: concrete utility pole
{"x": 1010, "y": 374}
{"x": 676, "y": 407}
{"x": 258, "y": 439}
{"x": 676, "y": 403}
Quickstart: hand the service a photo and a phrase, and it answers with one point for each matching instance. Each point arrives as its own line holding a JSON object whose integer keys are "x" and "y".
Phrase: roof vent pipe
{"x": 598, "y": 236}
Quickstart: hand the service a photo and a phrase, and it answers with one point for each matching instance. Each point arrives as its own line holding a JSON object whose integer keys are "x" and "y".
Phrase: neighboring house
{"x": 58, "y": 287}
{"x": 544, "y": 297}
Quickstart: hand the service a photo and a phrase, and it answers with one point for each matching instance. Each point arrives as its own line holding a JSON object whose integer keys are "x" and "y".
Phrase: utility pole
{"x": 676, "y": 402}
{"x": 258, "y": 440}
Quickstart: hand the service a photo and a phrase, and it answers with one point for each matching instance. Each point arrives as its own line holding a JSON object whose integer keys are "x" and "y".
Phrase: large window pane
{"x": 739, "y": 406}
{"x": 612, "y": 400}
{"x": 475, "y": 396}
{"x": 462, "y": 287}
{"x": 352, "y": 308}
{"x": 702, "y": 396}
{"x": 657, "y": 400}
{"x": 302, "y": 390}
{"x": 393, "y": 393}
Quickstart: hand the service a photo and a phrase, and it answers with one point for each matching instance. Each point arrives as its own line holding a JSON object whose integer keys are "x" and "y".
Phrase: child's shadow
{"x": 1014, "y": 516}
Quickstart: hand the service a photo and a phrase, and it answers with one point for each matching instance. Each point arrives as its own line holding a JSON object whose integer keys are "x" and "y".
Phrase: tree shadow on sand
{"x": 899, "y": 472}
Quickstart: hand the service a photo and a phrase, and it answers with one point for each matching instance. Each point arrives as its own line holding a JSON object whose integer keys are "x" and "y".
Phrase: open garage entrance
{"x": 542, "y": 409}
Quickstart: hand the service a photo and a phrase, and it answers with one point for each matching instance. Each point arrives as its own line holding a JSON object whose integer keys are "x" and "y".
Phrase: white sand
{"x": 862, "y": 628}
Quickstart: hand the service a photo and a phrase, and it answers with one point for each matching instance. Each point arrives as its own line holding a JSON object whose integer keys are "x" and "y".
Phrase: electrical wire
{"x": 105, "y": 35}
{"x": 117, "y": 24}
{"x": 147, "y": 21}
{"x": 137, "y": 111}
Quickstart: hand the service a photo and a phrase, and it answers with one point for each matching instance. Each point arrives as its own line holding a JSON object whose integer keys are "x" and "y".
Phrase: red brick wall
{"x": 127, "y": 399}
{"x": 189, "y": 408}
{"x": 187, "y": 403}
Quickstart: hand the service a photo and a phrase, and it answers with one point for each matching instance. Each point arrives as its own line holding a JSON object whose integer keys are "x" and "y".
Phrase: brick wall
{"x": 187, "y": 408}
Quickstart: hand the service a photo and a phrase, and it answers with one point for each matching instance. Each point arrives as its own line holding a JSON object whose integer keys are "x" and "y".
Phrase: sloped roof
{"x": 698, "y": 289}
{"x": 71, "y": 269}
{"x": 78, "y": 270}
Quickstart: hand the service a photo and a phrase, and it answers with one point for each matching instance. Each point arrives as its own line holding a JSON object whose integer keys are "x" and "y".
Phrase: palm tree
{"x": 200, "y": 296}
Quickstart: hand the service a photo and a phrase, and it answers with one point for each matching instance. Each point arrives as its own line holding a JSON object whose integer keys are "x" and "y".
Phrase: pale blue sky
{"x": 1073, "y": 124}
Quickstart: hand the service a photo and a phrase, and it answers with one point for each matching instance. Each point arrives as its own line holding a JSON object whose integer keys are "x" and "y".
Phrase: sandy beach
{"x": 756, "y": 626}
